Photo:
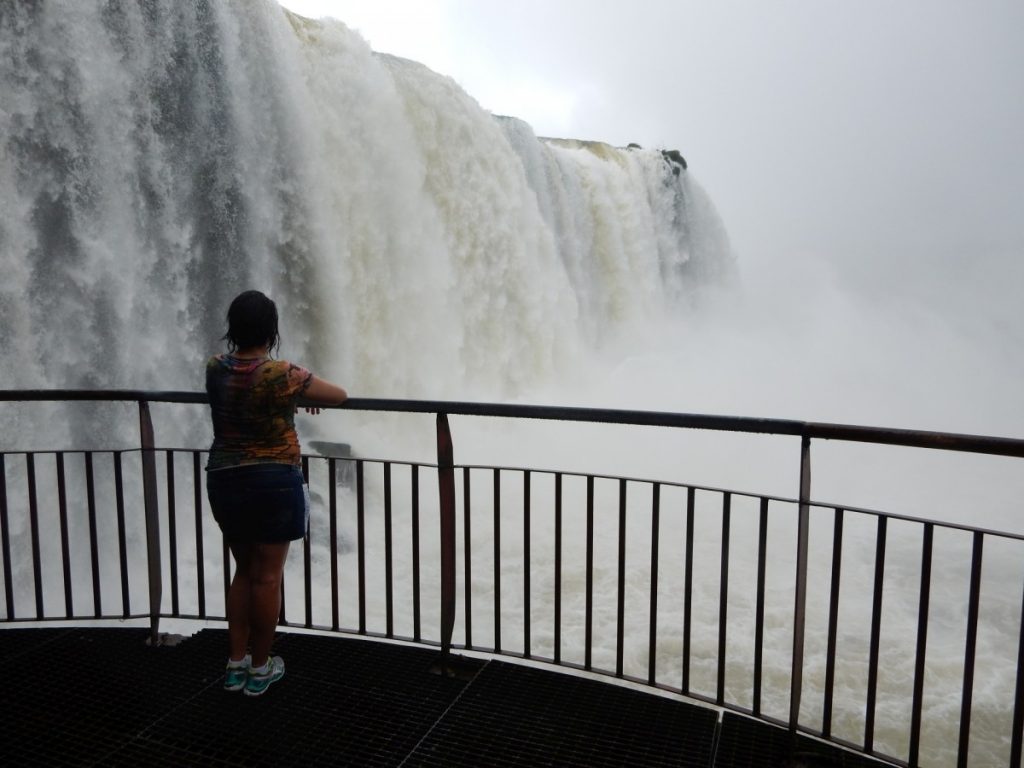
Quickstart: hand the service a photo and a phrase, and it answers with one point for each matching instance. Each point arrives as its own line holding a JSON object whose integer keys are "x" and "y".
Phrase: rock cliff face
{"x": 159, "y": 158}
{"x": 673, "y": 156}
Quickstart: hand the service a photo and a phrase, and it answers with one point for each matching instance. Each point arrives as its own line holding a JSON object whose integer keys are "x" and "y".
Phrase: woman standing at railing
{"x": 254, "y": 480}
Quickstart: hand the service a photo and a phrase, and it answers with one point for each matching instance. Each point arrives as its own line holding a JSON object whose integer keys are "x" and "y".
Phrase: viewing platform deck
{"x": 102, "y": 697}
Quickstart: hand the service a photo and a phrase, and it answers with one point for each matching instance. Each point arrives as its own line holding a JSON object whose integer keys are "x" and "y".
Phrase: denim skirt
{"x": 259, "y": 503}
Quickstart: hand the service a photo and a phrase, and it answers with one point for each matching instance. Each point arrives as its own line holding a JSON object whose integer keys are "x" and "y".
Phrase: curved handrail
{"x": 951, "y": 441}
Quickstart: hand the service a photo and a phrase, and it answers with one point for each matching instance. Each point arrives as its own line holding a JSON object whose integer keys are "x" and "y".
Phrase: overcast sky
{"x": 880, "y": 142}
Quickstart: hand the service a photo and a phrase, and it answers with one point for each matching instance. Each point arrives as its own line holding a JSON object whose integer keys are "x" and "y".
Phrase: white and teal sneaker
{"x": 236, "y": 673}
{"x": 260, "y": 678}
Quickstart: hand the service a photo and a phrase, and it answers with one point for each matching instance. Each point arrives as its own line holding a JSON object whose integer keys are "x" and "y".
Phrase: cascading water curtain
{"x": 160, "y": 157}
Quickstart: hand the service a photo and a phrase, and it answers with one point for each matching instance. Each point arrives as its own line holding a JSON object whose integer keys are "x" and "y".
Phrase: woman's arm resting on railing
{"x": 323, "y": 392}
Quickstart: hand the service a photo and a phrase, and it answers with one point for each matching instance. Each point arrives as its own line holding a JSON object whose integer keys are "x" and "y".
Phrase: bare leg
{"x": 266, "y": 566}
{"x": 238, "y": 601}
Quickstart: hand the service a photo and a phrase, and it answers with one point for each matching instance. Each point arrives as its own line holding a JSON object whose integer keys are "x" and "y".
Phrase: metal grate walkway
{"x": 102, "y": 697}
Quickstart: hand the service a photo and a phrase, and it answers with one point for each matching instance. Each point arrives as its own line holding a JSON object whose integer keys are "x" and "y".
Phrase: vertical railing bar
{"x": 620, "y": 614}
{"x": 446, "y": 509}
{"x": 225, "y": 560}
{"x": 526, "y": 564}
{"x": 90, "y": 496}
{"x": 723, "y": 597}
{"x": 467, "y": 555}
{"x": 282, "y": 616}
{"x": 197, "y": 500}
{"x": 414, "y": 470}
{"x": 970, "y": 650}
{"x": 558, "y": 568}
{"x": 172, "y": 532}
{"x": 122, "y": 540}
{"x": 332, "y": 513}
{"x": 65, "y": 549}
{"x": 225, "y": 569}
{"x": 652, "y": 632}
{"x": 833, "y": 622}
{"x": 688, "y": 588}
{"x": 1018, "y": 707}
{"x": 588, "y": 642}
{"x": 497, "y": 560}
{"x": 307, "y": 556}
{"x": 922, "y": 643}
{"x": 33, "y": 517}
{"x": 876, "y": 629}
{"x": 151, "y": 510}
{"x": 762, "y": 551}
{"x": 800, "y": 588}
{"x": 389, "y": 586}
{"x": 361, "y": 546}
{"x": 5, "y": 541}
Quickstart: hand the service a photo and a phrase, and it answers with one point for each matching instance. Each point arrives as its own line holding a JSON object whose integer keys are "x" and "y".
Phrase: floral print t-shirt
{"x": 252, "y": 403}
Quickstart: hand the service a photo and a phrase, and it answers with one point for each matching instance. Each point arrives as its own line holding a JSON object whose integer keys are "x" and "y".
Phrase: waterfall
{"x": 158, "y": 158}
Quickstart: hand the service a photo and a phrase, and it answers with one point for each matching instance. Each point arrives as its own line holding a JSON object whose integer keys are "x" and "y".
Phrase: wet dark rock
{"x": 673, "y": 157}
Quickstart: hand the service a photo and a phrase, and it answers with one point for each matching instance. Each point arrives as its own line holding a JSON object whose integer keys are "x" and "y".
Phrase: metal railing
{"x": 615, "y": 615}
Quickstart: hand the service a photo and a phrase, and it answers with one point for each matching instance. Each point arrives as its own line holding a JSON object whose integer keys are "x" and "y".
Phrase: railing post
{"x": 446, "y": 493}
{"x": 1016, "y": 746}
{"x": 800, "y": 602}
{"x": 152, "y": 510}
{"x": 967, "y": 692}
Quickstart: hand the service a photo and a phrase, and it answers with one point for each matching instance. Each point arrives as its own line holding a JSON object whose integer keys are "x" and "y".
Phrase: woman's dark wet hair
{"x": 252, "y": 322}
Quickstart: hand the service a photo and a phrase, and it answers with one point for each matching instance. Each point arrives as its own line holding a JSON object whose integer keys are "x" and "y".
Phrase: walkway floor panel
{"x": 103, "y": 697}
{"x": 748, "y": 743}
{"x": 520, "y": 716}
